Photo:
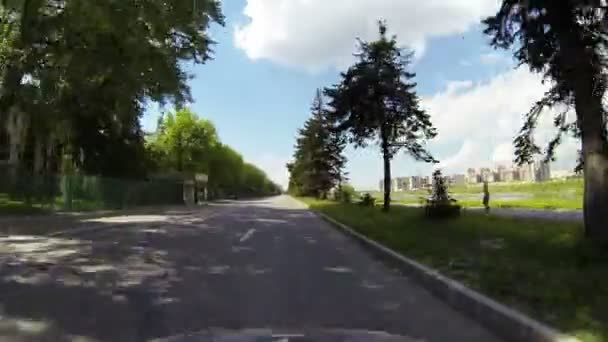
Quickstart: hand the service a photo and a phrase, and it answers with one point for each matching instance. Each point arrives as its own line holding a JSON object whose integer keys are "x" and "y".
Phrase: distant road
{"x": 236, "y": 265}
{"x": 566, "y": 215}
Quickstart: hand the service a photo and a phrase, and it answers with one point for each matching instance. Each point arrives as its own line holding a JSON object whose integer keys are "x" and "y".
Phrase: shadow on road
{"x": 102, "y": 285}
{"x": 256, "y": 265}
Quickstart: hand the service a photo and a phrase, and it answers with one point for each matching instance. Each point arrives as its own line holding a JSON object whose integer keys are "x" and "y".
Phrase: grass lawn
{"x": 14, "y": 207}
{"x": 556, "y": 194}
{"x": 541, "y": 268}
{"x": 10, "y": 206}
{"x": 554, "y": 186}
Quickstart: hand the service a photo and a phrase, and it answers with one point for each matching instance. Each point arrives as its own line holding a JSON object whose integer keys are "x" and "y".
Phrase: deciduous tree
{"x": 566, "y": 41}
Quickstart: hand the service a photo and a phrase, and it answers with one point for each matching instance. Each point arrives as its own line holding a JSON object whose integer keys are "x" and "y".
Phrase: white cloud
{"x": 316, "y": 34}
{"x": 466, "y": 155}
{"x": 484, "y": 118}
{"x": 465, "y": 63}
{"x": 476, "y": 120}
{"x": 504, "y": 153}
{"x": 493, "y": 58}
{"x": 453, "y": 87}
{"x": 491, "y": 111}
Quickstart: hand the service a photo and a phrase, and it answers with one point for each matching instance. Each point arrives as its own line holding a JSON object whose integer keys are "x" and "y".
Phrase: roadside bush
{"x": 346, "y": 194}
{"x": 367, "y": 201}
{"x": 441, "y": 204}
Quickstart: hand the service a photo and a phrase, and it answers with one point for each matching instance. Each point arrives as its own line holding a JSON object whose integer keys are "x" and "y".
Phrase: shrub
{"x": 367, "y": 201}
{"x": 345, "y": 194}
{"x": 441, "y": 204}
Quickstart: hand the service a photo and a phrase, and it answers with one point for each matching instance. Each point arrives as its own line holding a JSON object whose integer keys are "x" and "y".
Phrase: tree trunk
{"x": 15, "y": 128}
{"x": 387, "y": 177}
{"x": 50, "y": 158}
{"x": 595, "y": 158}
{"x": 580, "y": 73}
{"x": 38, "y": 156}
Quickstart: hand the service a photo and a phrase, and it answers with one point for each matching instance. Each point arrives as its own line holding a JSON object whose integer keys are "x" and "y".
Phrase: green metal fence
{"x": 19, "y": 191}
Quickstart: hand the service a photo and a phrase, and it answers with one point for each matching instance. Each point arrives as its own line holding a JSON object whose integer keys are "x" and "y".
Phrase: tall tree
{"x": 376, "y": 101}
{"x": 566, "y": 41}
{"x": 318, "y": 158}
{"x": 93, "y": 64}
{"x": 187, "y": 142}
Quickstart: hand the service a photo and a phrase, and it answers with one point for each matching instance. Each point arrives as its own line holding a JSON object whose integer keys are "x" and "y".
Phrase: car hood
{"x": 270, "y": 335}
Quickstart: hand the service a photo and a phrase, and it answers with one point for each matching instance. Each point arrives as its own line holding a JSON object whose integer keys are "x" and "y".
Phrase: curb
{"x": 504, "y": 321}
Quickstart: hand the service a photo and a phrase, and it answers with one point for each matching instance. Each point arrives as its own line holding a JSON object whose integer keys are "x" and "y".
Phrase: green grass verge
{"x": 542, "y": 268}
{"x": 13, "y": 207}
{"x": 574, "y": 186}
{"x": 10, "y": 206}
{"x": 556, "y": 194}
{"x": 20, "y": 208}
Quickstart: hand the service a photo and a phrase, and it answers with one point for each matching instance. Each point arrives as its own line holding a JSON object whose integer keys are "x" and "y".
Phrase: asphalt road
{"x": 236, "y": 265}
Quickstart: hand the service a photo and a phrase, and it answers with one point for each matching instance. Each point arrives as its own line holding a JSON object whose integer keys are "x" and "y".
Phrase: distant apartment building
{"x": 416, "y": 182}
{"x": 505, "y": 174}
{"x": 527, "y": 173}
{"x": 472, "y": 176}
{"x": 394, "y": 185}
{"x": 397, "y": 184}
{"x": 542, "y": 171}
{"x": 427, "y": 182}
{"x": 487, "y": 175}
{"x": 404, "y": 183}
{"x": 458, "y": 179}
{"x": 534, "y": 172}
{"x": 516, "y": 175}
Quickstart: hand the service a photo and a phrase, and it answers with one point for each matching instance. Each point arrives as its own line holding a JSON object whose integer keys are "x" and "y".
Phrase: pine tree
{"x": 318, "y": 161}
{"x": 376, "y": 101}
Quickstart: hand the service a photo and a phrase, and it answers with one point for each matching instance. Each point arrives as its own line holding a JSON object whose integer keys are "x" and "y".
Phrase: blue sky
{"x": 272, "y": 55}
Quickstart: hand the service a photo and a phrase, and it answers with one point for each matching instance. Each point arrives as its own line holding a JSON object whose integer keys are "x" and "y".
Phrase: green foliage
{"x": 345, "y": 194}
{"x": 376, "y": 101}
{"x": 367, "y": 200}
{"x": 80, "y": 72}
{"x": 318, "y": 162}
{"x": 566, "y": 42}
{"x": 187, "y": 144}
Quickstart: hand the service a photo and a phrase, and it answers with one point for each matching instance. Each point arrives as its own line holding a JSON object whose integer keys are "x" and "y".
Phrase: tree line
{"x": 566, "y": 41}
{"x": 183, "y": 143}
{"x": 77, "y": 75}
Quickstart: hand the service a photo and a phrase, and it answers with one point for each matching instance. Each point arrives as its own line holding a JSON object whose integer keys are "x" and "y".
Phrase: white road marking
{"x": 247, "y": 235}
{"x": 338, "y": 269}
